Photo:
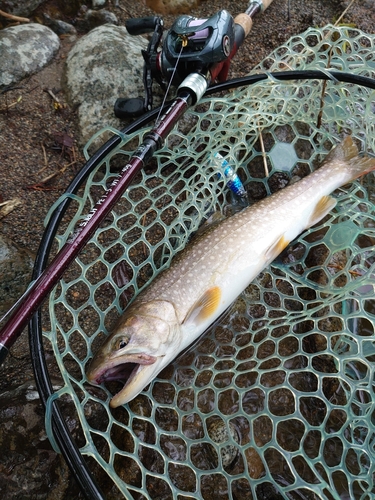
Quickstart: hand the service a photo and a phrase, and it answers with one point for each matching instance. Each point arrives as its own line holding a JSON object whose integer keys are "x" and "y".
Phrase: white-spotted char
{"x": 207, "y": 276}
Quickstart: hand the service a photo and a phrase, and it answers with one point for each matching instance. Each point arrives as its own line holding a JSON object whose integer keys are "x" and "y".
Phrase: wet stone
{"x": 221, "y": 433}
{"x": 15, "y": 272}
{"x": 25, "y": 468}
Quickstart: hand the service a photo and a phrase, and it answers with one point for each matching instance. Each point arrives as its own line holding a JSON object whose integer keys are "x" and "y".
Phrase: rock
{"x": 24, "y": 50}
{"x": 93, "y": 18}
{"x": 172, "y": 6}
{"x": 70, "y": 8}
{"x": 15, "y": 272}
{"x": 103, "y": 65}
{"x": 24, "y": 469}
{"x": 58, "y": 26}
{"x": 96, "y": 4}
{"x": 20, "y": 7}
{"x": 218, "y": 432}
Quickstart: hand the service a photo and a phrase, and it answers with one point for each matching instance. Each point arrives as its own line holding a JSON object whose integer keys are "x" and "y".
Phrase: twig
{"x": 264, "y": 156}
{"x": 11, "y": 105}
{"x": 40, "y": 186}
{"x": 325, "y": 82}
{"x": 116, "y": 4}
{"x": 14, "y": 18}
{"x": 45, "y": 160}
{"x": 44, "y": 155}
{"x": 124, "y": 10}
{"x": 74, "y": 154}
{"x": 66, "y": 166}
{"x": 7, "y": 206}
{"x": 49, "y": 91}
{"x": 345, "y": 11}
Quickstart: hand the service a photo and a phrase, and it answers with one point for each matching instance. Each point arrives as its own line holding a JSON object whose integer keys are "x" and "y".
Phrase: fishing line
{"x": 183, "y": 44}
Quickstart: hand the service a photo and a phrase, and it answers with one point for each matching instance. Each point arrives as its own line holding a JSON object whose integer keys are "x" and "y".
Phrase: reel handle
{"x": 141, "y": 25}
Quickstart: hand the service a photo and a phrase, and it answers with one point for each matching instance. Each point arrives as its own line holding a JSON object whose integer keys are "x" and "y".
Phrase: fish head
{"x": 144, "y": 341}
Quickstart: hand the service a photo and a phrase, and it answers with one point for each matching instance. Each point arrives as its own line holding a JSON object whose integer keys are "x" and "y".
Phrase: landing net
{"x": 276, "y": 400}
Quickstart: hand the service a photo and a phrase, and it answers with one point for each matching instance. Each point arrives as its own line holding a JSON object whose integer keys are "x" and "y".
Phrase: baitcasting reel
{"x": 191, "y": 46}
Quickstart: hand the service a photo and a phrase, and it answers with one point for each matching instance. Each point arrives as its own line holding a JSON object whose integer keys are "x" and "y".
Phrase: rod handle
{"x": 245, "y": 22}
{"x": 266, "y": 4}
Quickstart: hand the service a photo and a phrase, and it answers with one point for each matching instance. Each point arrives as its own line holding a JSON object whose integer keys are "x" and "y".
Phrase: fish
{"x": 206, "y": 277}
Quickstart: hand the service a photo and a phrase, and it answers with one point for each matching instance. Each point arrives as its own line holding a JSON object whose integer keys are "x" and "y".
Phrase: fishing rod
{"x": 46, "y": 391}
{"x": 213, "y": 65}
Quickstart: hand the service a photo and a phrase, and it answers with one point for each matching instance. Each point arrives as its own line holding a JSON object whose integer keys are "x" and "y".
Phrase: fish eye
{"x": 123, "y": 342}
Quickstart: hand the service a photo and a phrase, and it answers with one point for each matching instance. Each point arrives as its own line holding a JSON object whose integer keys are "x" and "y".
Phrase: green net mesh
{"x": 276, "y": 400}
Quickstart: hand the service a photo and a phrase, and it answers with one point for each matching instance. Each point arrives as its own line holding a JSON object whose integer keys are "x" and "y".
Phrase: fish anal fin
{"x": 276, "y": 248}
{"x": 204, "y": 307}
{"x": 322, "y": 208}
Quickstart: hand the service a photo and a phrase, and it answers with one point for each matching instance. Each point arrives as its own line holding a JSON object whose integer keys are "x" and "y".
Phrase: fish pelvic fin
{"x": 204, "y": 307}
{"x": 322, "y": 208}
{"x": 276, "y": 248}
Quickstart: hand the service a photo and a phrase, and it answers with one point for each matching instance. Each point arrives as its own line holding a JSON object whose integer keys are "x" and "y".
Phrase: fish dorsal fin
{"x": 322, "y": 208}
{"x": 276, "y": 248}
{"x": 204, "y": 307}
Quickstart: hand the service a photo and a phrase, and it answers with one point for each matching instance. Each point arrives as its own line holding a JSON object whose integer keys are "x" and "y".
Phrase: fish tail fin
{"x": 345, "y": 151}
{"x": 348, "y": 153}
{"x": 361, "y": 165}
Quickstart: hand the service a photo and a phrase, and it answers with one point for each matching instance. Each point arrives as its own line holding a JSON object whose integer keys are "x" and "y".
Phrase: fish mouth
{"x": 119, "y": 372}
{"x": 135, "y": 372}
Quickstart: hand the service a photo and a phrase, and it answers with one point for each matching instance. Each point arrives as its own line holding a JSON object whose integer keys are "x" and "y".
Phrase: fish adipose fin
{"x": 322, "y": 208}
{"x": 204, "y": 307}
{"x": 276, "y": 248}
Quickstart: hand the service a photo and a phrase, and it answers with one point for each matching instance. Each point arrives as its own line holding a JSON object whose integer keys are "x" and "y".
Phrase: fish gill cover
{"x": 276, "y": 400}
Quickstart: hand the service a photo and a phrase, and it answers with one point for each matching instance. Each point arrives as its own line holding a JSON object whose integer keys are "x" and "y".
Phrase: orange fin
{"x": 322, "y": 208}
{"x": 205, "y": 306}
{"x": 276, "y": 248}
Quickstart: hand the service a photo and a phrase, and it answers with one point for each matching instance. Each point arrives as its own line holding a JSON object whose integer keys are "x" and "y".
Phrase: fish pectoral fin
{"x": 204, "y": 307}
{"x": 276, "y": 248}
{"x": 322, "y": 208}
